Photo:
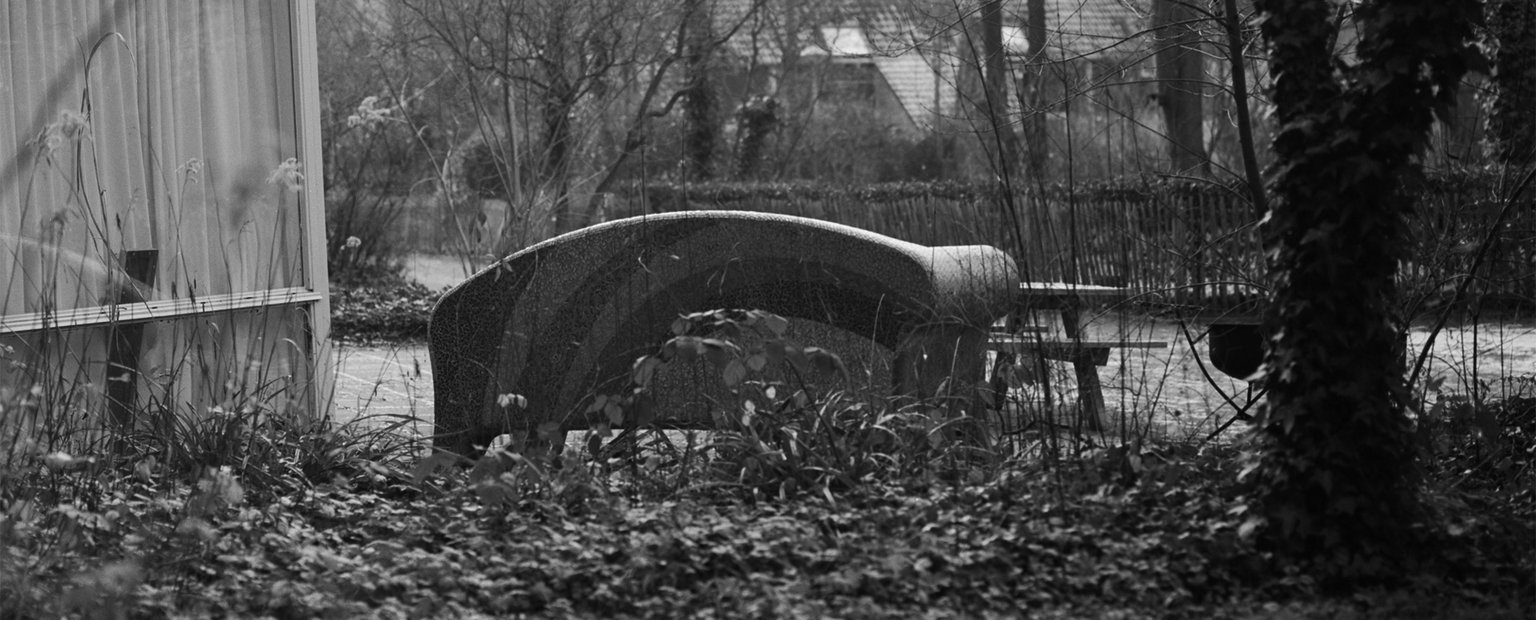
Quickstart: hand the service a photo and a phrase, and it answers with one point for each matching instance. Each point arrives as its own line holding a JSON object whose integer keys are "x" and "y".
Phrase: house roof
{"x": 839, "y": 42}
{"x": 1088, "y": 28}
{"x": 888, "y": 32}
{"x": 1074, "y": 28}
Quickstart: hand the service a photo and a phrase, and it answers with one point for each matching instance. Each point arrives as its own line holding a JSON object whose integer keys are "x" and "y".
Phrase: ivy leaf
{"x": 496, "y": 493}
{"x": 1249, "y": 527}
{"x": 435, "y": 462}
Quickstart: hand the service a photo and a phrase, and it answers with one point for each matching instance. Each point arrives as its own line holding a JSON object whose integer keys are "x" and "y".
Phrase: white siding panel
{"x": 189, "y": 109}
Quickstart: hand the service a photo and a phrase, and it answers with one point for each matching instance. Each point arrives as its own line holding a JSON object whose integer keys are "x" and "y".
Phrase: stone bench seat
{"x": 563, "y": 321}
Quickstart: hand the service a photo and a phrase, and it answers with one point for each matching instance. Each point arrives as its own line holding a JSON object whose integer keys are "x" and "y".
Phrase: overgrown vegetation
{"x": 805, "y": 504}
{"x": 1091, "y": 539}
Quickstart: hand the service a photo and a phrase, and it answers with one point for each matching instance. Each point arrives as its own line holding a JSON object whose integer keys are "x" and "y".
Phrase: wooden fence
{"x": 1177, "y": 243}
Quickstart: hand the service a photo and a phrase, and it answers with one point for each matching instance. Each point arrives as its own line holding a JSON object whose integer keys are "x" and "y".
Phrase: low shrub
{"x": 1481, "y": 457}
{"x": 388, "y": 309}
{"x": 363, "y": 233}
{"x": 92, "y": 512}
{"x": 1490, "y": 446}
{"x": 782, "y": 434}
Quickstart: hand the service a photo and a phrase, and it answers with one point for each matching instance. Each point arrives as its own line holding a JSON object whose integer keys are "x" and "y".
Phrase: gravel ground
{"x": 1167, "y": 385}
{"x": 1163, "y": 386}
{"x": 1162, "y": 390}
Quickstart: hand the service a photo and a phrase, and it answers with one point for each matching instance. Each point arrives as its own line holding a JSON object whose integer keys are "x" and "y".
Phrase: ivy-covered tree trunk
{"x": 1334, "y": 474}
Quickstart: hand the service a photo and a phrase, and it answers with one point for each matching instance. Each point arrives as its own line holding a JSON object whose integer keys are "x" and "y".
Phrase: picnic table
{"x": 1021, "y": 334}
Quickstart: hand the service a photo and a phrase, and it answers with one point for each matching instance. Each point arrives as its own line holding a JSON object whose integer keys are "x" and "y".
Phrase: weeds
{"x": 847, "y": 498}
{"x": 782, "y": 435}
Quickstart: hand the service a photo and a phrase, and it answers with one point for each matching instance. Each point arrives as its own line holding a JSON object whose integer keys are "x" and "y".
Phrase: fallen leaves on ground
{"x": 1024, "y": 544}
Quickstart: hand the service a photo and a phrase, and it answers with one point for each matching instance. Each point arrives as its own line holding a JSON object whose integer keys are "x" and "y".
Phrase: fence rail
{"x": 1192, "y": 244}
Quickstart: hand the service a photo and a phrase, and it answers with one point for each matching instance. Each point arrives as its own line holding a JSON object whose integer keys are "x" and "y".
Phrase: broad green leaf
{"x": 645, "y": 370}
{"x": 548, "y": 430}
{"x": 686, "y": 348}
{"x": 720, "y": 352}
{"x": 776, "y": 324}
{"x": 734, "y": 373}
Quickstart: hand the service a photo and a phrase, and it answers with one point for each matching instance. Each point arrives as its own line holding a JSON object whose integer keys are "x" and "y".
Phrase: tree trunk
{"x": 1235, "y": 45}
{"x": 1179, "y": 77}
{"x": 558, "y": 110}
{"x": 559, "y": 105}
{"x": 699, "y": 102}
{"x": 1032, "y": 93}
{"x": 1334, "y": 480}
{"x": 1004, "y": 144}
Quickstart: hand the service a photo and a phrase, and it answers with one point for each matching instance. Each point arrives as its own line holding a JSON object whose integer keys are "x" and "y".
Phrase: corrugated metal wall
{"x": 153, "y": 126}
{"x": 161, "y": 140}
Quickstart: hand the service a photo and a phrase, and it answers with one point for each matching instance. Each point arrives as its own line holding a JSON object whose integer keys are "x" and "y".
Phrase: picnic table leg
{"x": 1090, "y": 393}
{"x": 999, "y": 388}
{"x": 1002, "y": 363}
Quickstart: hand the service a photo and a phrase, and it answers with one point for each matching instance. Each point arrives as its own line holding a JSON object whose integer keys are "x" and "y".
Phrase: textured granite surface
{"x": 565, "y": 319}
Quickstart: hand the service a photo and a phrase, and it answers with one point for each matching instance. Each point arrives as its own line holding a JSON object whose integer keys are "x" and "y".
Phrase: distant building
{"x": 907, "y": 58}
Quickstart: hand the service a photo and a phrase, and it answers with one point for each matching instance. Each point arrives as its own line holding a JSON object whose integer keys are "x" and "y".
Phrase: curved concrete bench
{"x": 565, "y": 319}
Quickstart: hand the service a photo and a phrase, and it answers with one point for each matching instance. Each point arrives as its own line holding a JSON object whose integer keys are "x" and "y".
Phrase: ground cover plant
{"x": 806, "y": 503}
{"x": 763, "y": 519}
{"x": 383, "y": 308}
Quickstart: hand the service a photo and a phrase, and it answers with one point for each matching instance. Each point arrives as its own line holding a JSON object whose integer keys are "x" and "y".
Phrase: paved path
{"x": 383, "y": 385}
{"x": 387, "y": 384}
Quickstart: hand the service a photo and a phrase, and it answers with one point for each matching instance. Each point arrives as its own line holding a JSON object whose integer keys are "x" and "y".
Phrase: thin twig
{"x": 1477, "y": 262}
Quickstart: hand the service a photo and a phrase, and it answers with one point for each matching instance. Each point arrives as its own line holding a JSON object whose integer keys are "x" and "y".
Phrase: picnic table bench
{"x": 1021, "y": 334}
